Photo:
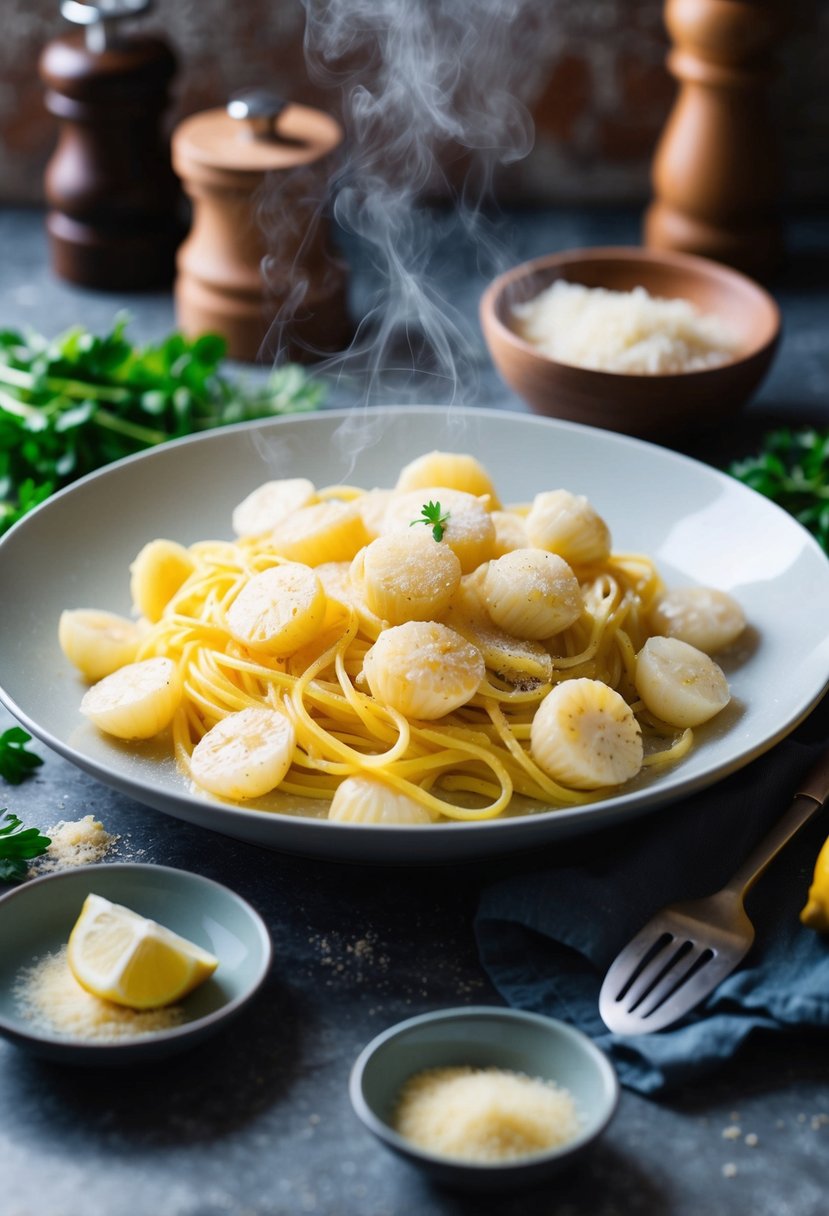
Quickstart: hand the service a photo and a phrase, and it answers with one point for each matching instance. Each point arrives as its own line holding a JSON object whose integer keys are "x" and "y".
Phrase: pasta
{"x": 402, "y": 674}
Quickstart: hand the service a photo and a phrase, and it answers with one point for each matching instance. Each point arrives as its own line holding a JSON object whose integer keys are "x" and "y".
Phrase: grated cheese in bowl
{"x": 50, "y": 999}
{"x": 484, "y": 1114}
{"x": 631, "y": 332}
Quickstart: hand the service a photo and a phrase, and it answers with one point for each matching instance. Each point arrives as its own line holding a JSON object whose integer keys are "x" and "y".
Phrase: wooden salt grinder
{"x": 256, "y": 266}
{"x": 716, "y": 175}
{"x": 114, "y": 199}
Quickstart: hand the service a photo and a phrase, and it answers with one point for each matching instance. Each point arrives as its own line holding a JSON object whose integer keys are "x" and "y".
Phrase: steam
{"x": 431, "y": 79}
{"x": 423, "y": 84}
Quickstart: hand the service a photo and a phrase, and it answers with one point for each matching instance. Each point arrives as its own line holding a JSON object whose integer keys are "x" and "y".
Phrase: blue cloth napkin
{"x": 546, "y": 937}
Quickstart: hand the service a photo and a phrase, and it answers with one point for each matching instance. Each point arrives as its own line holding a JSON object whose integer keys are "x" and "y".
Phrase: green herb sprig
{"x": 18, "y": 845}
{"x": 16, "y": 764}
{"x": 70, "y": 405}
{"x": 434, "y": 518}
{"x": 792, "y": 469}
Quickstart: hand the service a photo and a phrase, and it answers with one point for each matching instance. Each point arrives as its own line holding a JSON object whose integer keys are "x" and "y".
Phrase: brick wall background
{"x": 597, "y": 66}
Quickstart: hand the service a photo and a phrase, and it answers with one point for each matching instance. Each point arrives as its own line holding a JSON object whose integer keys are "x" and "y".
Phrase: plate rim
{"x": 569, "y": 819}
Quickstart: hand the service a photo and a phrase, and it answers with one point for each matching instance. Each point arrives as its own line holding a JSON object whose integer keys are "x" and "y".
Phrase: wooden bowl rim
{"x": 705, "y": 268}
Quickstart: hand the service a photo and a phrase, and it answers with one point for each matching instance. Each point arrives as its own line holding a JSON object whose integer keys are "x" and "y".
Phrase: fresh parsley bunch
{"x": 15, "y": 762}
{"x": 792, "y": 469}
{"x": 18, "y": 846}
{"x": 70, "y": 405}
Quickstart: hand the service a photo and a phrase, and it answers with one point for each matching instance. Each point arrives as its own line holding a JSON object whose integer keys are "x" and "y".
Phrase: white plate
{"x": 700, "y": 526}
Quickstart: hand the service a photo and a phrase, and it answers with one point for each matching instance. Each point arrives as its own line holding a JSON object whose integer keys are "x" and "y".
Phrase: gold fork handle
{"x": 816, "y": 782}
{"x": 813, "y": 792}
{"x": 801, "y": 811}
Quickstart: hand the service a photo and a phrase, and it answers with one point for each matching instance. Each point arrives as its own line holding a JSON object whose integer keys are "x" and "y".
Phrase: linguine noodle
{"x": 466, "y": 766}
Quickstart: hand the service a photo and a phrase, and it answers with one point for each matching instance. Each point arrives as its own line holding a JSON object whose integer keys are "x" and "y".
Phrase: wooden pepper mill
{"x": 256, "y": 266}
{"x": 716, "y": 173}
{"x": 114, "y": 221}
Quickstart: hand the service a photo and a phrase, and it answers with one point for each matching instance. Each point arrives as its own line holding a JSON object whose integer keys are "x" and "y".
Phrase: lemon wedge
{"x": 816, "y": 912}
{"x": 122, "y": 957}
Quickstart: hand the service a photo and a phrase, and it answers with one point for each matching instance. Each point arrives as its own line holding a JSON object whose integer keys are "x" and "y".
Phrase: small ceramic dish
{"x": 485, "y": 1037}
{"x": 649, "y": 406}
{"x": 37, "y": 918}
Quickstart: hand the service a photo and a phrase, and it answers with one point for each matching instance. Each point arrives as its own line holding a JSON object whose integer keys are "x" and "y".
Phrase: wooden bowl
{"x": 651, "y": 406}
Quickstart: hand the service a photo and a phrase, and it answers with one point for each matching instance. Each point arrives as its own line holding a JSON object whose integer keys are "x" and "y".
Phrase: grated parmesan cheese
{"x": 51, "y": 999}
{"x": 484, "y": 1114}
{"x": 623, "y": 331}
{"x": 74, "y": 843}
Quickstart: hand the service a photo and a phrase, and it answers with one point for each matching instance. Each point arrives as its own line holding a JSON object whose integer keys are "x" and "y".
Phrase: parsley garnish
{"x": 15, "y": 762}
{"x": 18, "y": 845}
{"x": 433, "y": 518}
{"x": 792, "y": 469}
{"x": 75, "y": 403}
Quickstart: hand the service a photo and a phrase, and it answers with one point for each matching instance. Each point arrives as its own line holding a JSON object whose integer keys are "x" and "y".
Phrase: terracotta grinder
{"x": 257, "y": 267}
{"x": 114, "y": 200}
{"x": 716, "y": 172}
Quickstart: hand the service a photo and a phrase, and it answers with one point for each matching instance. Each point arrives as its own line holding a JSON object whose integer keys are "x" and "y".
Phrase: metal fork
{"x": 683, "y": 952}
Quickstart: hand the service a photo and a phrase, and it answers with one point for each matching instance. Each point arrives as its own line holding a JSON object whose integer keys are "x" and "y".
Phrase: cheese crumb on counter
{"x": 484, "y": 1114}
{"x": 51, "y": 999}
{"x": 78, "y": 842}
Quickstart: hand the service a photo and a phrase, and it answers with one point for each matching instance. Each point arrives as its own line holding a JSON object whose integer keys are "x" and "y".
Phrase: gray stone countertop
{"x": 257, "y": 1121}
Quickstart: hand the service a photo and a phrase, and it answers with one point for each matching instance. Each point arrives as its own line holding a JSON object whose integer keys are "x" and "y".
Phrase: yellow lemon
{"x": 122, "y": 957}
{"x": 816, "y": 912}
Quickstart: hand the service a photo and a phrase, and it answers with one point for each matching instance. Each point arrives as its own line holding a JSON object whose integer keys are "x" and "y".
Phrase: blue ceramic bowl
{"x": 482, "y": 1037}
{"x": 37, "y": 918}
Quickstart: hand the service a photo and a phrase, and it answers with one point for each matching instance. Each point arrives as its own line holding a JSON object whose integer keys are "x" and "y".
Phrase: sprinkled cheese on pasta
{"x": 418, "y": 669}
